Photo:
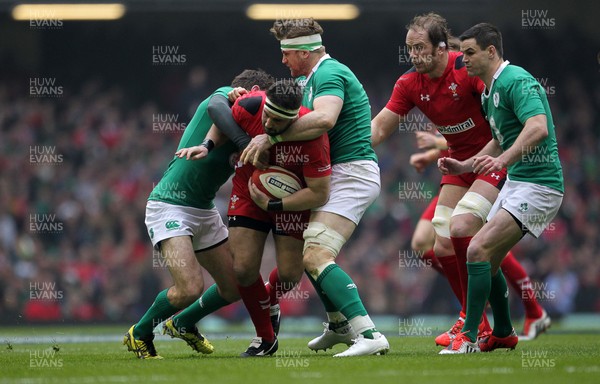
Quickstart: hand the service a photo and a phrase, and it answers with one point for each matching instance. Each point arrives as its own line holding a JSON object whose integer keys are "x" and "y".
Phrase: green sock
{"x": 341, "y": 291}
{"x": 160, "y": 310}
{"x": 208, "y": 303}
{"x": 329, "y": 307}
{"x": 369, "y": 333}
{"x": 499, "y": 302}
{"x": 478, "y": 290}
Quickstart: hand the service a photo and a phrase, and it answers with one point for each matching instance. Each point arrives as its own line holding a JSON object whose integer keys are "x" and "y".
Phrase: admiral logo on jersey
{"x": 451, "y": 129}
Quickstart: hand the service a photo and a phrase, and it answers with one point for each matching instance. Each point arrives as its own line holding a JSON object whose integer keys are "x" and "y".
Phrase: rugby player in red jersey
{"x": 440, "y": 87}
{"x": 252, "y": 215}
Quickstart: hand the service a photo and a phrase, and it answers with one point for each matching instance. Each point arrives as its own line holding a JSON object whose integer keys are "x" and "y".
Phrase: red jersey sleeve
{"x": 247, "y": 112}
{"x": 399, "y": 102}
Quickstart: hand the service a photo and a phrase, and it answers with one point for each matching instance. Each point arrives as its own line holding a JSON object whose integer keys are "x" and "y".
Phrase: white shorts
{"x": 532, "y": 204}
{"x": 165, "y": 221}
{"x": 354, "y": 187}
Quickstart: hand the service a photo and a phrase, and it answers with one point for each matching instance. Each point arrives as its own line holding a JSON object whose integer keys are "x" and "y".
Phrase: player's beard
{"x": 271, "y": 132}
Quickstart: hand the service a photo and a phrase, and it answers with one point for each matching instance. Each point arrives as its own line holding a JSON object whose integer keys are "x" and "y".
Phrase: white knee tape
{"x": 441, "y": 221}
{"x": 320, "y": 235}
{"x": 474, "y": 204}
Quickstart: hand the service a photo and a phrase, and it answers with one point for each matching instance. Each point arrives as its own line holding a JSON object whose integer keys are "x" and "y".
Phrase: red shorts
{"x": 496, "y": 179}
{"x": 430, "y": 210}
{"x": 243, "y": 212}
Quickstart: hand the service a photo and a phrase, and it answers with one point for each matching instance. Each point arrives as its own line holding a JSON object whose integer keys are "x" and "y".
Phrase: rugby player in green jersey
{"x": 524, "y": 142}
{"x": 185, "y": 226}
{"x": 341, "y": 109}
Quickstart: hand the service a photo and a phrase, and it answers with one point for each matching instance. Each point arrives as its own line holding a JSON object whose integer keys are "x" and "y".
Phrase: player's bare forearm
{"x": 313, "y": 195}
{"x": 450, "y": 166}
{"x": 215, "y": 134}
{"x": 326, "y": 110}
{"x": 308, "y": 127}
{"x": 441, "y": 143}
{"x": 486, "y": 160}
{"x": 383, "y": 125}
{"x": 421, "y": 160}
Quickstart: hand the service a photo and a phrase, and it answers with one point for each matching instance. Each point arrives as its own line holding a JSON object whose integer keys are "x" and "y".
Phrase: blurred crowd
{"x": 77, "y": 170}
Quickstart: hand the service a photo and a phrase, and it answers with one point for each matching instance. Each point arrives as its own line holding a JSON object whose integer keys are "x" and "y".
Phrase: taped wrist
{"x": 275, "y": 205}
{"x": 275, "y": 139}
{"x": 208, "y": 144}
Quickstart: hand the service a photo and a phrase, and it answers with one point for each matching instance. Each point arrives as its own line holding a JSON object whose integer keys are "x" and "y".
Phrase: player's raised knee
{"x": 321, "y": 244}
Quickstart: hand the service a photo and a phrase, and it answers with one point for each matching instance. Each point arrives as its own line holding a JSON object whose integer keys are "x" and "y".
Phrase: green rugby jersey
{"x": 194, "y": 183}
{"x": 515, "y": 96}
{"x": 350, "y": 138}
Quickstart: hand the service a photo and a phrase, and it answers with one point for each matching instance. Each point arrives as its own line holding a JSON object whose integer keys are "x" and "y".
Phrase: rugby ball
{"x": 276, "y": 182}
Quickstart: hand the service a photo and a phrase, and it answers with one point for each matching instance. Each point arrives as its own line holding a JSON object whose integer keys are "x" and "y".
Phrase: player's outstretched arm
{"x": 383, "y": 125}
{"x": 214, "y": 138}
{"x": 428, "y": 140}
{"x": 196, "y": 152}
{"x": 421, "y": 160}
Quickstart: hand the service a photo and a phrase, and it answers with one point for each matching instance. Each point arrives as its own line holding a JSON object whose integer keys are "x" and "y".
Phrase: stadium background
{"x": 73, "y": 245}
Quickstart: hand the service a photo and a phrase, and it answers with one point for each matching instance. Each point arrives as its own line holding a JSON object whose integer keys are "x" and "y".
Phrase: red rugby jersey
{"x": 452, "y": 102}
{"x": 305, "y": 158}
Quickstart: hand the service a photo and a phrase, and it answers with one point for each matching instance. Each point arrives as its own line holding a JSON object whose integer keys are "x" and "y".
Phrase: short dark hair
{"x": 291, "y": 28}
{"x": 435, "y": 26}
{"x": 485, "y": 34}
{"x": 251, "y": 77}
{"x": 286, "y": 93}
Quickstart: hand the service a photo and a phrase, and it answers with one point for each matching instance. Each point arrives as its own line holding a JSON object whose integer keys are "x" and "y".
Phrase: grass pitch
{"x": 31, "y": 358}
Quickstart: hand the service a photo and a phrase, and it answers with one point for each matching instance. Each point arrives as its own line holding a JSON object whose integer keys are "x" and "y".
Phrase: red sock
{"x": 276, "y": 288}
{"x": 450, "y": 267}
{"x": 460, "y": 245}
{"x": 518, "y": 279}
{"x": 435, "y": 263}
{"x": 256, "y": 299}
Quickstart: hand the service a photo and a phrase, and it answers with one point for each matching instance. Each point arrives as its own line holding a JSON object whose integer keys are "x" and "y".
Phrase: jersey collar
{"x": 486, "y": 92}
{"x": 314, "y": 69}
